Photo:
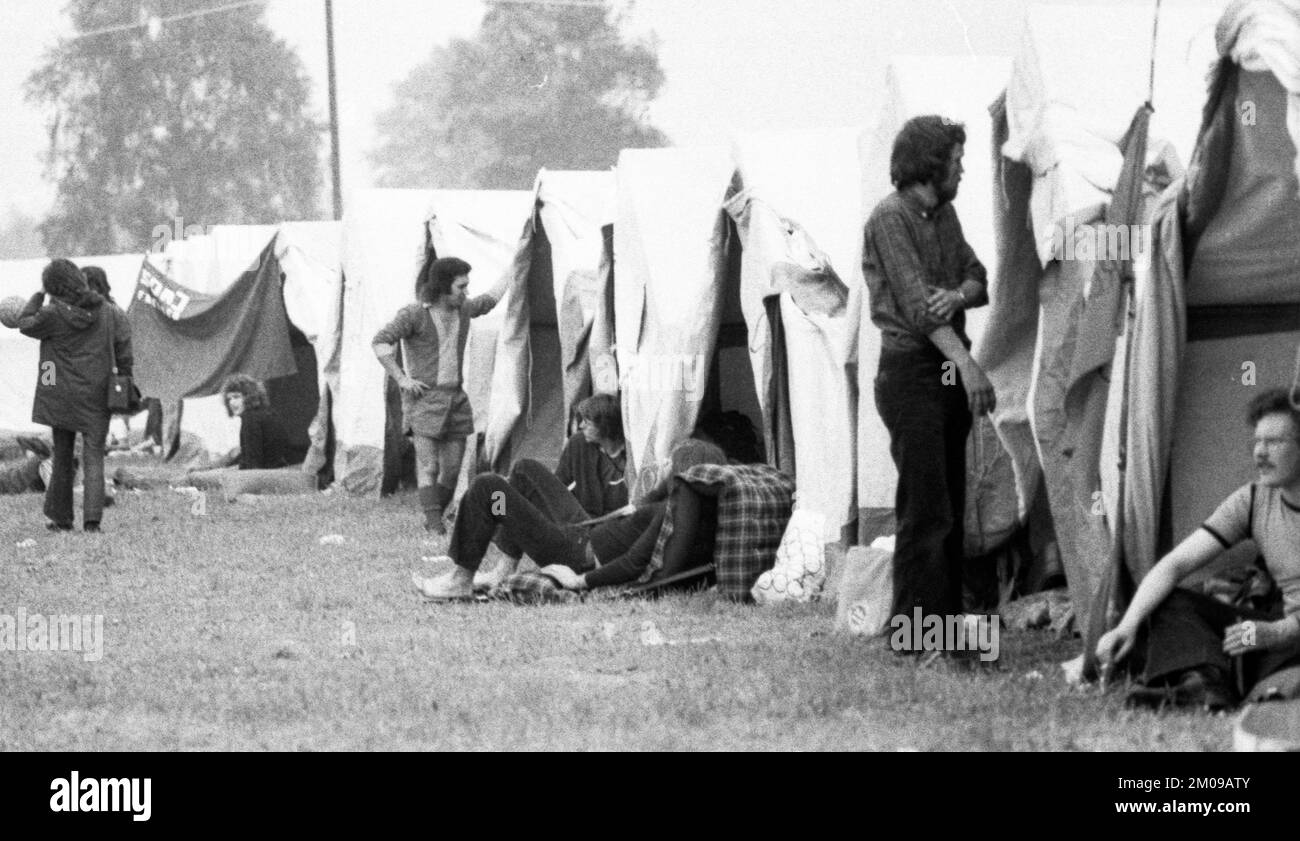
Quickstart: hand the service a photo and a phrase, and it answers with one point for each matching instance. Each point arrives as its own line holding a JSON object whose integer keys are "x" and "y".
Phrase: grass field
{"x": 238, "y": 630}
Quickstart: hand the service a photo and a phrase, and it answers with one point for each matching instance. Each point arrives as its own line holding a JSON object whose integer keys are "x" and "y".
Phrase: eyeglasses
{"x": 1275, "y": 442}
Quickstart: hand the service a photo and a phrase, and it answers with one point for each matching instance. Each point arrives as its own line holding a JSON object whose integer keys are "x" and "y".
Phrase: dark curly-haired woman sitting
{"x": 264, "y": 443}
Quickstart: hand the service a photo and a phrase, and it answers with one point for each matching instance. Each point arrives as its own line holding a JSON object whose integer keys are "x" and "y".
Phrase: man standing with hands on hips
{"x": 436, "y": 411}
{"x": 921, "y": 276}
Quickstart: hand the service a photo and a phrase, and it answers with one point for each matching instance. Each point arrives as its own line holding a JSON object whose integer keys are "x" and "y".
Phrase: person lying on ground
{"x": 34, "y": 470}
{"x": 533, "y": 513}
{"x": 1193, "y": 641}
{"x": 436, "y": 412}
{"x": 24, "y": 475}
{"x": 737, "y": 512}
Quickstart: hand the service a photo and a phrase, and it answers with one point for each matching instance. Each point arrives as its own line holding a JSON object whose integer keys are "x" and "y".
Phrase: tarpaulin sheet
{"x": 187, "y": 342}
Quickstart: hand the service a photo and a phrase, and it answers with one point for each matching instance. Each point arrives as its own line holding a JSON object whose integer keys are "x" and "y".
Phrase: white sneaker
{"x": 444, "y": 587}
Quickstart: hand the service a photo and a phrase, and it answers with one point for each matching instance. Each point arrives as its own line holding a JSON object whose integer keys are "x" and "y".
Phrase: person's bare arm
{"x": 1196, "y": 551}
{"x": 979, "y": 391}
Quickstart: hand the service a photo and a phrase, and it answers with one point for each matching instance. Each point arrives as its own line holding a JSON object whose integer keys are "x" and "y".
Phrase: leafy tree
{"x": 19, "y": 238}
{"x": 202, "y": 118}
{"x": 539, "y": 86}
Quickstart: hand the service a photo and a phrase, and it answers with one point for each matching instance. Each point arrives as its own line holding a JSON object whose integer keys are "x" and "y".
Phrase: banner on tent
{"x": 158, "y": 291}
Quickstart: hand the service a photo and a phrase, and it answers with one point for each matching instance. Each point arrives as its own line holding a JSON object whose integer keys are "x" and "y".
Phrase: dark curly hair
{"x": 922, "y": 149}
{"x": 1274, "y": 401}
{"x": 436, "y": 276}
{"x": 62, "y": 279}
{"x": 251, "y": 389}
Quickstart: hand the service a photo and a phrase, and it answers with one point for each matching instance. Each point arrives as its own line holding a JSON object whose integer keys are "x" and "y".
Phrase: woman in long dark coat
{"x": 77, "y": 359}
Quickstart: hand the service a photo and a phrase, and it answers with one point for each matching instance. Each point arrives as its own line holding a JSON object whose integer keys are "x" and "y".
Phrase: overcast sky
{"x": 730, "y": 64}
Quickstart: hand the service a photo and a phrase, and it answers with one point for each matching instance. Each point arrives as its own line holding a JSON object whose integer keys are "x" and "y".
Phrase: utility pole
{"x": 334, "y": 110}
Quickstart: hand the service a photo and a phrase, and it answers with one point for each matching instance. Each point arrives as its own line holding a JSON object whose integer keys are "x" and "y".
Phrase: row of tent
{"x": 699, "y": 279}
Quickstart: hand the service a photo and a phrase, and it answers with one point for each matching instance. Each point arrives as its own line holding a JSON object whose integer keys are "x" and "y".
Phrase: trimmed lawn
{"x": 237, "y": 629}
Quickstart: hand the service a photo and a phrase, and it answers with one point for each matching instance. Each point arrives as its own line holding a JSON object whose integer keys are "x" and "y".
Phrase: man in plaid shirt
{"x": 921, "y": 275}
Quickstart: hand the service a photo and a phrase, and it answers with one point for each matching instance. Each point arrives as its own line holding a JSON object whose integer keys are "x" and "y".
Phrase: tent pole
{"x": 334, "y": 111}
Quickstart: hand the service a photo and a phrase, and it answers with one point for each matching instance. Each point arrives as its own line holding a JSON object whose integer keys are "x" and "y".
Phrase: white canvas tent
{"x": 541, "y": 368}
{"x": 309, "y": 254}
{"x": 680, "y": 334}
{"x": 385, "y": 233}
{"x": 1049, "y": 342}
{"x": 18, "y": 354}
{"x": 799, "y": 217}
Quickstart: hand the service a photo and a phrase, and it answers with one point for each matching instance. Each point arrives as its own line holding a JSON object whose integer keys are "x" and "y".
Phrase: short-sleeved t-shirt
{"x": 1275, "y": 529}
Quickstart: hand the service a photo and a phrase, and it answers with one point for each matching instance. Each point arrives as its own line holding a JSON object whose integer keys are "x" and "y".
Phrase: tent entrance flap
{"x": 731, "y": 390}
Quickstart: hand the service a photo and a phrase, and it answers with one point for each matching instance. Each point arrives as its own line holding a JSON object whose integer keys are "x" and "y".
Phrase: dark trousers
{"x": 547, "y": 494}
{"x": 695, "y": 526}
{"x": 1187, "y": 630}
{"x": 58, "y": 496}
{"x": 928, "y": 422}
{"x": 492, "y": 503}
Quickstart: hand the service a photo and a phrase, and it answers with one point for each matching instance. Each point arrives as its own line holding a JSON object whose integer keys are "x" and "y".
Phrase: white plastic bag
{"x": 800, "y": 568}
{"x": 866, "y": 596}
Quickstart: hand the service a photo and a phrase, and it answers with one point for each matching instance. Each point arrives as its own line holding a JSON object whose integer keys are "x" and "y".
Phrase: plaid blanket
{"x": 534, "y": 588}
{"x": 754, "y": 502}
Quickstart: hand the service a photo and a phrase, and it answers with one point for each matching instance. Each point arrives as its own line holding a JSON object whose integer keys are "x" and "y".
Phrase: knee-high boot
{"x": 444, "y": 497}
{"x": 430, "y": 503}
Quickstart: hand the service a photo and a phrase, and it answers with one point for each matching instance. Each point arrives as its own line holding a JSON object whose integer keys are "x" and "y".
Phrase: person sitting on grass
{"x": 591, "y": 472}
{"x": 264, "y": 443}
{"x": 593, "y": 462}
{"x": 534, "y": 513}
{"x": 1192, "y": 639}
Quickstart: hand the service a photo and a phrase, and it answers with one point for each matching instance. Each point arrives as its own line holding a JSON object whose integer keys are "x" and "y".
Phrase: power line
{"x": 582, "y": 4}
{"x": 147, "y": 23}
